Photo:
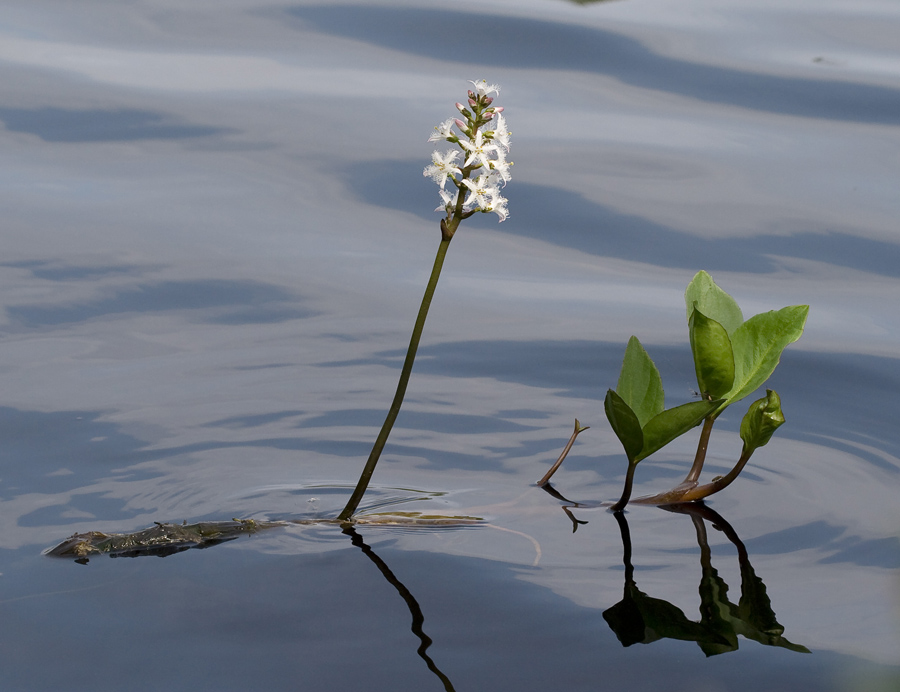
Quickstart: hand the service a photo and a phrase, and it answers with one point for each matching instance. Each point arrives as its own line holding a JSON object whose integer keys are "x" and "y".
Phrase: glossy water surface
{"x": 215, "y": 237}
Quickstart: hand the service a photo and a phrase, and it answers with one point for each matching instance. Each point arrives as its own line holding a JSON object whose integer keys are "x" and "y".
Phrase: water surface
{"x": 215, "y": 240}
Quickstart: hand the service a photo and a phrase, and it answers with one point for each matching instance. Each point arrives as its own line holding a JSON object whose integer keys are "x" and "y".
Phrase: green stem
{"x": 381, "y": 440}
{"x": 626, "y": 491}
{"x": 718, "y": 484}
{"x": 691, "y": 492}
{"x": 700, "y": 457}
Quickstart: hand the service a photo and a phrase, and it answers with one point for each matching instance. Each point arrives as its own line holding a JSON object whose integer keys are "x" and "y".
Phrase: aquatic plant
{"x": 482, "y": 138}
{"x": 732, "y": 358}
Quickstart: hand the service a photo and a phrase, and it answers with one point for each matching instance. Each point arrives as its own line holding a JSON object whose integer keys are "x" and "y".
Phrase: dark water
{"x": 215, "y": 237}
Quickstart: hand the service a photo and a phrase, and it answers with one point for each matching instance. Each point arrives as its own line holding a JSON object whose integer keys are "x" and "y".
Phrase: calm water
{"x": 215, "y": 237}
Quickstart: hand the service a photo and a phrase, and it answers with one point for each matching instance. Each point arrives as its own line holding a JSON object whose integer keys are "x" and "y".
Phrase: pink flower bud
{"x": 461, "y": 125}
{"x": 461, "y": 108}
{"x": 497, "y": 109}
{"x": 472, "y": 102}
{"x": 488, "y": 100}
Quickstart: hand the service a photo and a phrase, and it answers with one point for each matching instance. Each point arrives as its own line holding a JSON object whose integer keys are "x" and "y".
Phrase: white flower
{"x": 482, "y": 191}
{"x": 498, "y": 206}
{"x": 479, "y": 150}
{"x": 484, "y": 154}
{"x": 448, "y": 200}
{"x": 501, "y": 166}
{"x": 442, "y": 167}
{"x": 444, "y": 131}
{"x": 500, "y": 134}
{"x": 484, "y": 195}
{"x": 482, "y": 88}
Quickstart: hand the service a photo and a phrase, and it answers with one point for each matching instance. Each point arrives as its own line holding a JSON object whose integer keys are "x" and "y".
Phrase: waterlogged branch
{"x": 162, "y": 539}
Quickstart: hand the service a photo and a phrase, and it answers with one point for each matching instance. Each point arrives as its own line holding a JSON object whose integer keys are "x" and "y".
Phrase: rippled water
{"x": 216, "y": 234}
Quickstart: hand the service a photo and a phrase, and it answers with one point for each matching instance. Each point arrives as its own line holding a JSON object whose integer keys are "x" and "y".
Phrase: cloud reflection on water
{"x": 584, "y": 225}
{"x": 525, "y": 43}
{"x": 224, "y": 302}
{"x": 99, "y": 125}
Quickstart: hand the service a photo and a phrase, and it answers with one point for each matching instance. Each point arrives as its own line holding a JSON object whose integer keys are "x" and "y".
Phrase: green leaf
{"x": 704, "y": 295}
{"x": 640, "y": 385}
{"x": 624, "y": 423}
{"x": 758, "y": 344}
{"x": 713, "y": 357}
{"x": 763, "y": 418}
{"x": 672, "y": 423}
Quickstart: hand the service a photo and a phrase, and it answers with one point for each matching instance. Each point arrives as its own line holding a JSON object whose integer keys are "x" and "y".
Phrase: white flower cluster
{"x": 485, "y": 168}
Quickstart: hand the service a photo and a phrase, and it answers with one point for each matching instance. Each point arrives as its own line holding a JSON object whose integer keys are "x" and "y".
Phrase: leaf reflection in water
{"x": 639, "y": 618}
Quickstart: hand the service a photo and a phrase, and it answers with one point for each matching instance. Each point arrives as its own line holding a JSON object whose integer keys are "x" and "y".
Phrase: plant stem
{"x": 720, "y": 483}
{"x": 547, "y": 476}
{"x": 381, "y": 440}
{"x": 700, "y": 457}
{"x": 626, "y": 491}
{"x": 691, "y": 492}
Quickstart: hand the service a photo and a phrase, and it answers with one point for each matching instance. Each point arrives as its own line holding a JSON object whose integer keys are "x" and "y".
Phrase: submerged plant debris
{"x": 163, "y": 539}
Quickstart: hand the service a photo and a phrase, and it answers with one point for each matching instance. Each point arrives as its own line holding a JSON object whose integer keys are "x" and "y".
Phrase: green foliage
{"x": 713, "y": 355}
{"x": 640, "y": 385}
{"x": 732, "y": 358}
{"x": 704, "y": 295}
{"x": 625, "y": 424}
{"x": 755, "y": 346}
{"x": 674, "y": 422}
{"x": 761, "y": 421}
{"x": 636, "y": 412}
{"x": 758, "y": 344}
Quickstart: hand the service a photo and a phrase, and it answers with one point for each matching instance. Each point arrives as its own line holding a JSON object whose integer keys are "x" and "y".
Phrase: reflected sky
{"x": 216, "y": 234}
{"x": 540, "y": 44}
{"x": 584, "y": 225}
{"x": 120, "y": 125}
{"x": 247, "y": 302}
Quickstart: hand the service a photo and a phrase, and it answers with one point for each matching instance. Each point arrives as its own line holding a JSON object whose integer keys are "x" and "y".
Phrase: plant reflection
{"x": 162, "y": 540}
{"x": 418, "y": 618}
{"x": 567, "y": 508}
{"x": 638, "y": 618}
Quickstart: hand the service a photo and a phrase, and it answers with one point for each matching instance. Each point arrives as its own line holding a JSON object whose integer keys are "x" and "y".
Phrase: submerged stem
{"x": 381, "y": 440}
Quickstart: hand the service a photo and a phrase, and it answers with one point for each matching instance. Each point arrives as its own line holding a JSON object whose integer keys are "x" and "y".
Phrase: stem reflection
{"x": 418, "y": 618}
